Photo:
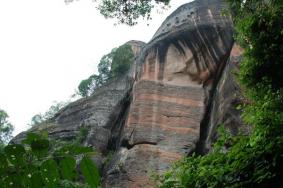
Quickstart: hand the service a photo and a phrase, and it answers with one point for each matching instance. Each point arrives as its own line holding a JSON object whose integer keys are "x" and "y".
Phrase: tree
{"x": 127, "y": 11}
{"x": 6, "y": 128}
{"x": 104, "y": 66}
{"x": 84, "y": 87}
{"x": 112, "y": 65}
{"x": 37, "y": 119}
{"x": 87, "y": 86}
{"x": 123, "y": 57}
{"x": 50, "y": 113}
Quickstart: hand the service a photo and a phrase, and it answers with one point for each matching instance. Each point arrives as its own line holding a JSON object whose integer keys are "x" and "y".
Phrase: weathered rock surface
{"x": 101, "y": 114}
{"x": 226, "y": 97}
{"x": 177, "y": 92}
{"x": 178, "y": 71}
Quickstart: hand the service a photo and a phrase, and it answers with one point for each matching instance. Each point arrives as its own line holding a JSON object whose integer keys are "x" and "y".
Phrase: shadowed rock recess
{"x": 179, "y": 89}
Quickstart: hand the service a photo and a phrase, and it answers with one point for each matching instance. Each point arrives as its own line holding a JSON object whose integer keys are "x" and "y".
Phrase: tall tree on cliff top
{"x": 111, "y": 66}
{"x": 6, "y": 128}
{"x": 128, "y": 11}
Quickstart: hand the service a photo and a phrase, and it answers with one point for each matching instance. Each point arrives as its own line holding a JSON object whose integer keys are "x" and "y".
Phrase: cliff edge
{"x": 167, "y": 106}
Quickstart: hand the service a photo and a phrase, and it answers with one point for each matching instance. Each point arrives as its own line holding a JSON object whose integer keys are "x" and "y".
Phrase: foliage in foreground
{"x": 39, "y": 162}
{"x": 255, "y": 160}
{"x": 6, "y": 129}
{"x": 112, "y": 65}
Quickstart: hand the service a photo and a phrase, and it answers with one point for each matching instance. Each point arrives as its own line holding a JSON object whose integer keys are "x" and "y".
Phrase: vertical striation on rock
{"x": 177, "y": 92}
{"x": 177, "y": 72}
{"x": 227, "y": 96}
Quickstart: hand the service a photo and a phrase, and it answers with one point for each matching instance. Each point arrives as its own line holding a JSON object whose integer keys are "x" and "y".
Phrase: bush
{"x": 39, "y": 162}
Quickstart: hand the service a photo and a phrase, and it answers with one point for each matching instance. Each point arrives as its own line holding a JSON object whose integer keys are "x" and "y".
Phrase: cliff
{"x": 179, "y": 89}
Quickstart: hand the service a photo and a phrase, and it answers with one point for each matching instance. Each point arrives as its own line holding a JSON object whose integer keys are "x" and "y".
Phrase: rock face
{"x": 102, "y": 114}
{"x": 226, "y": 97}
{"x": 178, "y": 71}
{"x": 177, "y": 92}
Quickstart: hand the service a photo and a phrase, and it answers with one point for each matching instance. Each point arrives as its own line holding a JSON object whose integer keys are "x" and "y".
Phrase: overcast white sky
{"x": 48, "y": 47}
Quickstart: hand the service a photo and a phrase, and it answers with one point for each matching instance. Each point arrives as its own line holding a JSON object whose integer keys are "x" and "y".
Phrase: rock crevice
{"x": 167, "y": 106}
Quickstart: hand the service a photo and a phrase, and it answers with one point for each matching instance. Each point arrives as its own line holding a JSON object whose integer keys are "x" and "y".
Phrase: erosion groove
{"x": 167, "y": 106}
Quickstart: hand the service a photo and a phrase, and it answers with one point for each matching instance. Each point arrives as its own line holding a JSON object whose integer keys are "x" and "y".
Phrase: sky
{"x": 48, "y": 47}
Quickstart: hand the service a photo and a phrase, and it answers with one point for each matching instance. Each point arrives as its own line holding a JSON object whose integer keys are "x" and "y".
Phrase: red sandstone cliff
{"x": 178, "y": 90}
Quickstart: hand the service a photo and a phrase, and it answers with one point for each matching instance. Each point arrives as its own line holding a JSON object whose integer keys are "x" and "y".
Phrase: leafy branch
{"x": 37, "y": 163}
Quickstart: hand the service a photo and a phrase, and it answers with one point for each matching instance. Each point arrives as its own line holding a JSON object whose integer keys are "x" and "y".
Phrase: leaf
{"x": 36, "y": 180}
{"x": 73, "y": 149}
{"x": 31, "y": 137}
{"x": 49, "y": 172}
{"x": 68, "y": 168}
{"x": 40, "y": 147}
{"x": 90, "y": 172}
{"x": 76, "y": 149}
{"x": 239, "y": 107}
{"x": 15, "y": 154}
{"x": 32, "y": 177}
{"x": 12, "y": 181}
{"x": 3, "y": 163}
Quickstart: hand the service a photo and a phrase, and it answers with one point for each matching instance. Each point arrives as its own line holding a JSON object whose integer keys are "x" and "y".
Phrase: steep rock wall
{"x": 170, "y": 103}
{"x": 101, "y": 114}
{"x": 226, "y": 97}
{"x": 176, "y": 74}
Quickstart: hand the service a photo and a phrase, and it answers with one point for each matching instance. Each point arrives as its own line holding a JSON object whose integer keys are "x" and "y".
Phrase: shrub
{"x": 39, "y": 162}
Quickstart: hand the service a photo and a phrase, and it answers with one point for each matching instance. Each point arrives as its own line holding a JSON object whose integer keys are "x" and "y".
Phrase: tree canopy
{"x": 50, "y": 113}
{"x": 112, "y": 65}
{"x": 6, "y": 128}
{"x": 128, "y": 11}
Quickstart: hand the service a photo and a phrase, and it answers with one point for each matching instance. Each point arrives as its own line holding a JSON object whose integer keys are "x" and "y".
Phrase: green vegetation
{"x": 50, "y": 113}
{"x": 255, "y": 160}
{"x": 40, "y": 162}
{"x": 6, "y": 129}
{"x": 112, "y": 65}
{"x": 128, "y": 11}
{"x": 80, "y": 138}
